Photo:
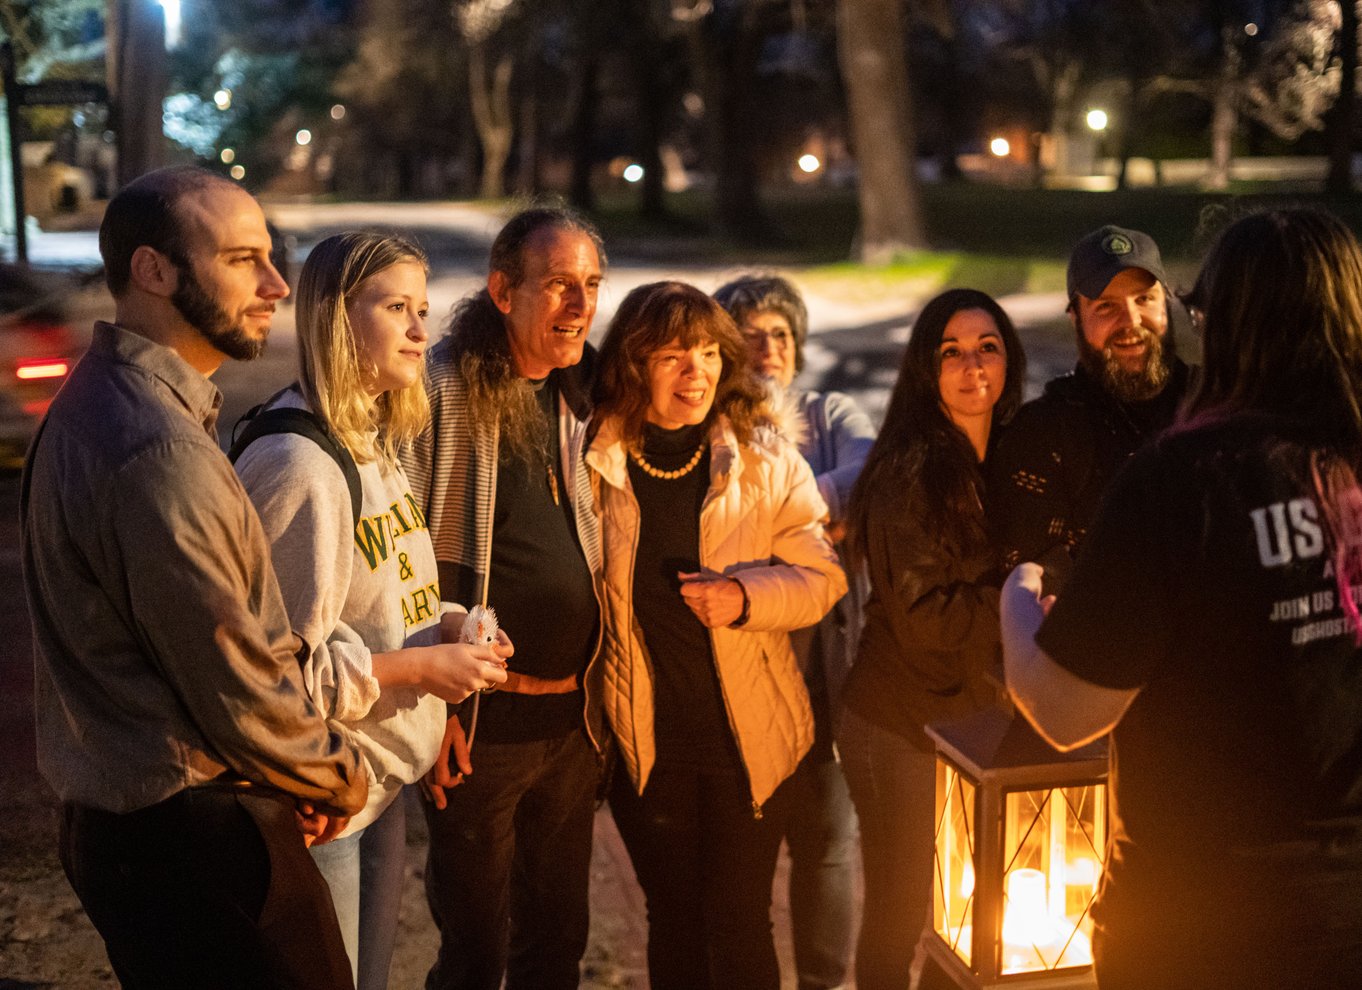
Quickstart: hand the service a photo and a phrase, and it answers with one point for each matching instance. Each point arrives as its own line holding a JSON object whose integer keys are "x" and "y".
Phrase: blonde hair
{"x": 330, "y": 367}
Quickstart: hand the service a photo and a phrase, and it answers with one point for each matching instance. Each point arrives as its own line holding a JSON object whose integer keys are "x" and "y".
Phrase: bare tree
{"x": 871, "y": 49}
{"x": 1343, "y": 121}
{"x": 489, "y": 87}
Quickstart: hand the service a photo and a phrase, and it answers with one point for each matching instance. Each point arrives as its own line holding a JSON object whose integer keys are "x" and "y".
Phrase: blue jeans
{"x": 893, "y": 785}
{"x": 509, "y": 871}
{"x": 821, "y": 836}
{"x": 705, "y": 864}
{"x": 364, "y": 871}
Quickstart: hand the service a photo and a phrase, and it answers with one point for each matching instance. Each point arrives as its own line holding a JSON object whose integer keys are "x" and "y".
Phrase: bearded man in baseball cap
{"x": 1052, "y": 465}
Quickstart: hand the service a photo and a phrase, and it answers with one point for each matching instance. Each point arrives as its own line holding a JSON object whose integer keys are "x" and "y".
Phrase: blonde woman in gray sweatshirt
{"x": 364, "y": 595}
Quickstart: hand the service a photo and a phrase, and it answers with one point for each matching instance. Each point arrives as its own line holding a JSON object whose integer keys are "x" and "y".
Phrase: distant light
{"x": 238, "y": 172}
{"x": 173, "y": 31}
{"x": 222, "y": 99}
{"x": 694, "y": 104}
{"x": 809, "y": 163}
{"x": 304, "y": 136}
{"x": 28, "y": 371}
{"x": 1251, "y": 29}
{"x": 338, "y": 111}
{"x": 1097, "y": 120}
{"x": 78, "y": 118}
{"x": 228, "y": 155}
{"x": 1000, "y": 147}
{"x": 633, "y": 173}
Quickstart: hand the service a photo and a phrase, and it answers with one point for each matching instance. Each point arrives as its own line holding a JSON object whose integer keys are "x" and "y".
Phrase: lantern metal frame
{"x": 1000, "y": 754}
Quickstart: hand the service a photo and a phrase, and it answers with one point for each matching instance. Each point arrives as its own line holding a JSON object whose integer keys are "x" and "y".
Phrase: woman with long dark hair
{"x": 1211, "y": 624}
{"x": 916, "y": 523}
{"x": 714, "y": 550}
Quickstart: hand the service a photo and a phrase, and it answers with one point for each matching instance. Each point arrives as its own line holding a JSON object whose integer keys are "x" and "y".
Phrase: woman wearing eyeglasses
{"x": 834, "y": 436}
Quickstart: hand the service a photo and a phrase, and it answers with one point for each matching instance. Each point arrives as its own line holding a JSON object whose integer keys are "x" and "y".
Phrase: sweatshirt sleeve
{"x": 304, "y": 505}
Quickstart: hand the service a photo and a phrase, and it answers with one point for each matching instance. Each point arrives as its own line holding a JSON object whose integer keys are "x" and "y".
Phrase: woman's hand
{"x": 317, "y": 826}
{"x": 453, "y": 671}
{"x": 715, "y": 599}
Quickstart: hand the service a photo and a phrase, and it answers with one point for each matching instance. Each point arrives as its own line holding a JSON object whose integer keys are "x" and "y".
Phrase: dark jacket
{"x": 931, "y": 624}
{"x": 1057, "y": 457}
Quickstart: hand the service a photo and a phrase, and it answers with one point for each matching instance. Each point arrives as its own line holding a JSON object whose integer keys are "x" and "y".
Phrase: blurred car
{"x": 37, "y": 351}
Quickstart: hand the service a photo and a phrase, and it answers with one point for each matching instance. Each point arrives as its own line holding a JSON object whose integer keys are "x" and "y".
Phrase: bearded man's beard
{"x": 1129, "y": 386}
{"x": 202, "y": 312}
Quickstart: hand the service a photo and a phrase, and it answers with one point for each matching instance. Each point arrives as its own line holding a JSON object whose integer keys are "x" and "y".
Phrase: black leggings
{"x": 705, "y": 864}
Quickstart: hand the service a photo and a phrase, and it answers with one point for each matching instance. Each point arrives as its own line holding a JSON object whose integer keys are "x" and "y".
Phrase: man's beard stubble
{"x": 1129, "y": 386}
{"x": 202, "y": 312}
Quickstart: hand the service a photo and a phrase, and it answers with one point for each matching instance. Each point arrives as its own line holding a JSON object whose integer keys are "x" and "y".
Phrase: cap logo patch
{"x": 1117, "y": 244}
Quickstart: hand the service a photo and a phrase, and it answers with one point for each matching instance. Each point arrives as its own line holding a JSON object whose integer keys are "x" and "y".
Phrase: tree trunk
{"x": 137, "y": 80}
{"x": 1224, "y": 114}
{"x": 652, "y": 114}
{"x": 727, "y": 58}
{"x": 1343, "y": 118}
{"x": 870, "y": 42}
{"x": 527, "y": 171}
{"x": 584, "y": 134}
{"x": 492, "y": 116}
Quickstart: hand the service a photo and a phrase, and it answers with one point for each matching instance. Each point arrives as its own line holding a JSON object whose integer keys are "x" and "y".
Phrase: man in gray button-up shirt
{"x": 171, "y": 714}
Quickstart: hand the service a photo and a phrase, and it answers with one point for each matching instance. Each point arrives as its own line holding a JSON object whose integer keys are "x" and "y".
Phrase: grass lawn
{"x": 999, "y": 239}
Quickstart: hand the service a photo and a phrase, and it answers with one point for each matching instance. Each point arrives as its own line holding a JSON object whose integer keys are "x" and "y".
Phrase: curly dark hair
{"x": 649, "y": 318}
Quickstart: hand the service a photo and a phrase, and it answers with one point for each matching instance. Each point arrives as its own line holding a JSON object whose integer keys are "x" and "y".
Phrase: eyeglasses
{"x": 780, "y": 339}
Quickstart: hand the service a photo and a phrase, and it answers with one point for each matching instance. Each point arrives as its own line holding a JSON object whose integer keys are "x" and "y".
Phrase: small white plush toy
{"x": 480, "y": 626}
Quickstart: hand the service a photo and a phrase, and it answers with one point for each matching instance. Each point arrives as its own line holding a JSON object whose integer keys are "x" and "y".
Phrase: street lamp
{"x": 1000, "y": 147}
{"x": 1097, "y": 120}
{"x": 1021, "y": 834}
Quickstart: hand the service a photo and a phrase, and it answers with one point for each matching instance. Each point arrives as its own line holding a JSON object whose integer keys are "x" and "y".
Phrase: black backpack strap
{"x": 260, "y": 423}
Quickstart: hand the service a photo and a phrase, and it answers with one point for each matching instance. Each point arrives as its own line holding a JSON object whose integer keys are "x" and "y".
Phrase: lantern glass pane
{"x": 1053, "y": 846}
{"x": 953, "y": 897}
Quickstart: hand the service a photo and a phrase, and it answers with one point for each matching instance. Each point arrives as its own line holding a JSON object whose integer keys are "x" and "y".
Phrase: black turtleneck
{"x": 691, "y": 726}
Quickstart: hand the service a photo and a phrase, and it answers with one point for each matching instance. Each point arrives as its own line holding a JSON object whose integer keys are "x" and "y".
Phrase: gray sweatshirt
{"x": 351, "y": 593}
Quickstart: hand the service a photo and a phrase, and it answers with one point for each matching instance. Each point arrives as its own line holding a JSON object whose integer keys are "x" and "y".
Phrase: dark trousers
{"x": 510, "y": 867}
{"x": 893, "y": 785}
{"x": 821, "y": 836}
{"x": 705, "y": 864}
{"x": 211, "y": 888}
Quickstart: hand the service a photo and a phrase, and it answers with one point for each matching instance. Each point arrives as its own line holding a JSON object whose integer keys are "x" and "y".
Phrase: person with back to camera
{"x": 931, "y": 622}
{"x": 834, "y": 436}
{"x": 364, "y": 594}
{"x": 1211, "y": 625}
{"x": 714, "y": 550}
